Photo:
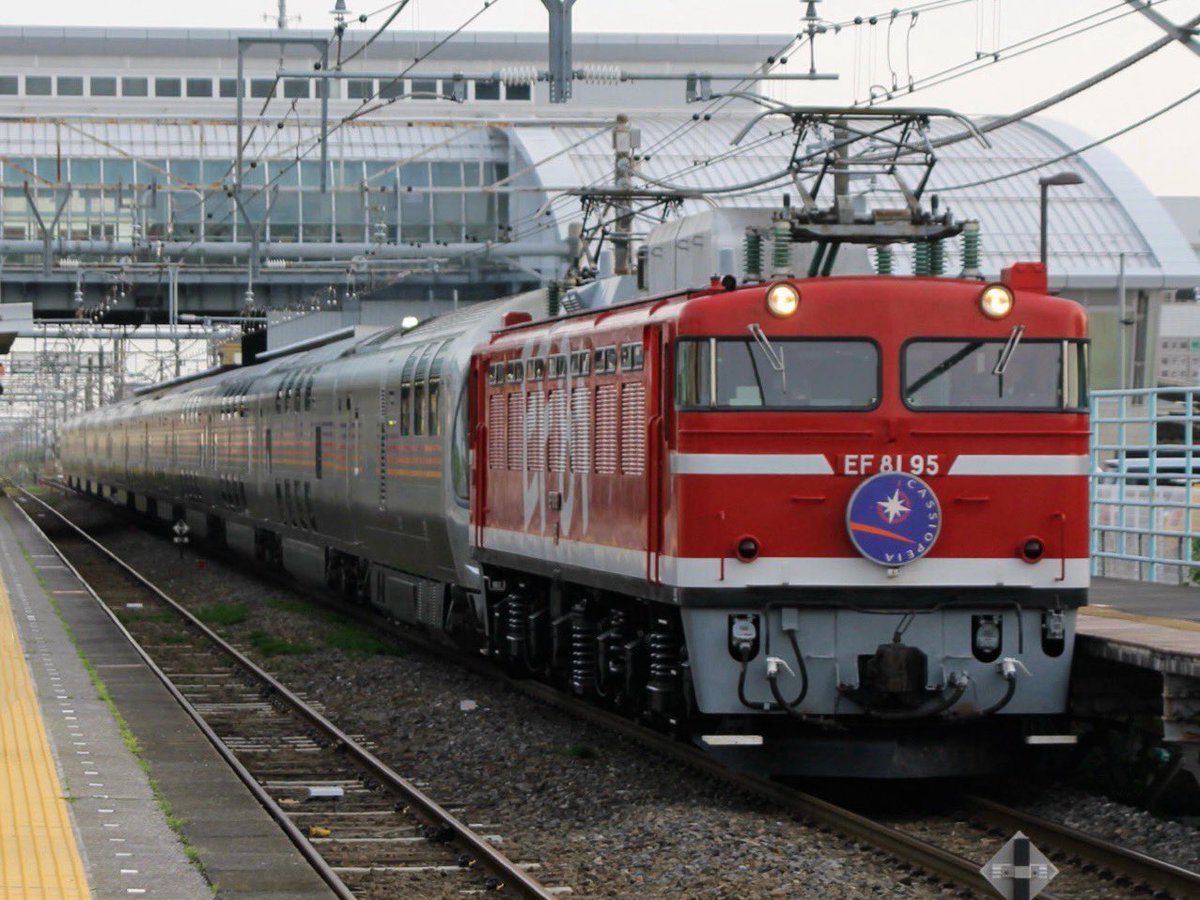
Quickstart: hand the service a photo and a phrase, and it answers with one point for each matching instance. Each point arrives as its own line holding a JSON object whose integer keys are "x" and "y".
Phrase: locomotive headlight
{"x": 783, "y": 300}
{"x": 996, "y": 301}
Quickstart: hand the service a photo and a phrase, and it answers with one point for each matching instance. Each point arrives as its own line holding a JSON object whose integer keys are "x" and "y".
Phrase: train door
{"x": 654, "y": 380}
{"x": 559, "y": 489}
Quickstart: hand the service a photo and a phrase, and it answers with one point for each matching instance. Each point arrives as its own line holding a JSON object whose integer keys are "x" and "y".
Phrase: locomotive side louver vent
{"x": 535, "y": 429}
{"x": 606, "y": 429}
{"x": 516, "y": 430}
{"x": 633, "y": 429}
{"x": 581, "y": 429}
{"x": 496, "y": 438}
{"x": 557, "y": 425}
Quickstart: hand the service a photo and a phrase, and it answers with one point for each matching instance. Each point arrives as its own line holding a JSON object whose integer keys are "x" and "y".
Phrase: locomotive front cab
{"x": 877, "y": 499}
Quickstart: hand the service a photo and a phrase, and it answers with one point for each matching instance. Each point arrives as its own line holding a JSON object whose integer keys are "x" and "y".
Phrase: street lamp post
{"x": 1044, "y": 183}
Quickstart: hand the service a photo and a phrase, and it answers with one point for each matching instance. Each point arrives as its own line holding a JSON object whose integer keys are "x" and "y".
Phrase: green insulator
{"x": 553, "y": 296}
{"x": 970, "y": 250}
{"x": 937, "y": 258}
{"x": 752, "y": 250}
{"x": 883, "y": 260}
{"x": 921, "y": 260}
{"x": 781, "y": 257}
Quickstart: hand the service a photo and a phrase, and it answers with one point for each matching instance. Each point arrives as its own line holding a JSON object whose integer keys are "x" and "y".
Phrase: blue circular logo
{"x": 893, "y": 518}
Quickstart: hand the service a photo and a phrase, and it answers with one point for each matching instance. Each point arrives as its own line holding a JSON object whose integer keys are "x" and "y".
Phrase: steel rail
{"x": 488, "y": 855}
{"x": 310, "y": 854}
{"x": 920, "y": 853}
{"x": 1178, "y": 881}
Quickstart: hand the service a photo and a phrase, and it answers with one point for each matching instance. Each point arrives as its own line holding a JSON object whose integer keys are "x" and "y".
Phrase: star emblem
{"x": 893, "y": 507}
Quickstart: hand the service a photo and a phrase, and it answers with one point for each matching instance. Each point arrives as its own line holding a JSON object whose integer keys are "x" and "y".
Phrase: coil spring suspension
{"x": 662, "y": 692}
{"x": 516, "y": 619}
{"x": 610, "y": 646}
{"x": 583, "y": 653}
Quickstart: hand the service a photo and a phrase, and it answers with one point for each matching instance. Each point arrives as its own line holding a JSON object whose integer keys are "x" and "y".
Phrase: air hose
{"x": 927, "y": 710}
{"x": 773, "y": 664}
{"x": 773, "y": 678}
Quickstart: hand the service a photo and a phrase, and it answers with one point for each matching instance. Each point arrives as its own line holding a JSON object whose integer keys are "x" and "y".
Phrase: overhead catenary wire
{"x": 1090, "y": 82}
{"x": 1007, "y": 53}
{"x": 1076, "y": 151}
{"x": 380, "y": 30}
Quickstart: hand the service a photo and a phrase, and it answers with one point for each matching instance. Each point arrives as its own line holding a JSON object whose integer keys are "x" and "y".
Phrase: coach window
{"x": 406, "y": 391}
{"x": 459, "y": 451}
{"x": 420, "y": 388}
{"x": 435, "y": 383}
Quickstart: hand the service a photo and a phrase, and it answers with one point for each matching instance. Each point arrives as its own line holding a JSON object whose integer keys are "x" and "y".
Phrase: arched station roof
{"x": 1090, "y": 225}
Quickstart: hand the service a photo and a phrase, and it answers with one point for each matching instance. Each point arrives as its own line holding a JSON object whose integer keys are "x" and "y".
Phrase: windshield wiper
{"x": 950, "y": 361}
{"x": 1008, "y": 350}
{"x": 774, "y": 357}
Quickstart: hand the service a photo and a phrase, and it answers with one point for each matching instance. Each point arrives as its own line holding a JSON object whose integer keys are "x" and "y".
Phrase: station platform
{"x": 1153, "y": 626}
{"x": 1137, "y": 661}
{"x": 78, "y": 814}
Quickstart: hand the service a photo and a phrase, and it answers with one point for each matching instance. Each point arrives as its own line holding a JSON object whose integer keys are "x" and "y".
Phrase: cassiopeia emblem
{"x": 893, "y": 519}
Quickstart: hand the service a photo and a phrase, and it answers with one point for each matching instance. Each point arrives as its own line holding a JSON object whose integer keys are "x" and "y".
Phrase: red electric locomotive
{"x": 770, "y": 509}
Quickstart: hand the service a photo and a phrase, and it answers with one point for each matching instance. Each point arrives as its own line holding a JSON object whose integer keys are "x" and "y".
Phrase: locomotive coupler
{"x": 896, "y": 672}
{"x": 892, "y": 685}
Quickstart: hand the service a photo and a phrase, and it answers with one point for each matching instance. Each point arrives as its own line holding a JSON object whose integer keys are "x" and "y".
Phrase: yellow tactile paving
{"x": 39, "y": 857}
{"x": 1104, "y": 612}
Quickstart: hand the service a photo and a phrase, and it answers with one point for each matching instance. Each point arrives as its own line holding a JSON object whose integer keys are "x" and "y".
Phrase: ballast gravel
{"x": 1125, "y": 825}
{"x": 600, "y": 816}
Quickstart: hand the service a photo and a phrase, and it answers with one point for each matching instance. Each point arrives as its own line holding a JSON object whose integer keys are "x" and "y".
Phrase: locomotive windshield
{"x": 806, "y": 373}
{"x": 961, "y": 373}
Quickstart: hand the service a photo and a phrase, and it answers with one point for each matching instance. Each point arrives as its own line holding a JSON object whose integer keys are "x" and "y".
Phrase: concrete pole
{"x": 625, "y": 142}
{"x": 1121, "y": 351}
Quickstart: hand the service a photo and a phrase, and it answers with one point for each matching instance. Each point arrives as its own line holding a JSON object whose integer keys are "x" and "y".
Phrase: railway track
{"x": 931, "y": 848}
{"x": 1090, "y": 866}
{"x": 367, "y": 830}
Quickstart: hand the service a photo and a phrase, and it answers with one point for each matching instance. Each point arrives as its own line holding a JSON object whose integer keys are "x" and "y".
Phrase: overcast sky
{"x": 1163, "y": 153}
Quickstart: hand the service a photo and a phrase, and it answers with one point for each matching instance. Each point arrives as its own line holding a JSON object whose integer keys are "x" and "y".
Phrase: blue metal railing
{"x": 1145, "y": 485}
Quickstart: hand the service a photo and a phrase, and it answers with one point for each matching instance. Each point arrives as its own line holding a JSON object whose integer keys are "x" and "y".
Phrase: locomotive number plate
{"x": 874, "y": 463}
